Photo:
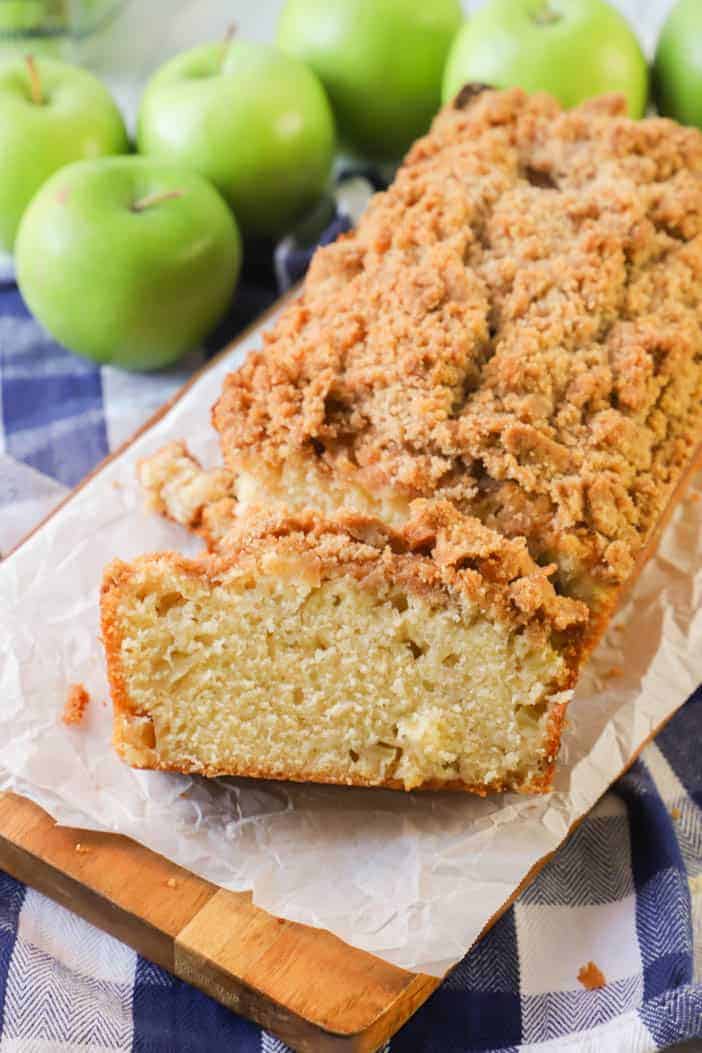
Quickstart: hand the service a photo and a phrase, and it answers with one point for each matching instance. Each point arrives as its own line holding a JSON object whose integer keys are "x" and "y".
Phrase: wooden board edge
{"x": 269, "y": 956}
{"x": 59, "y": 862}
{"x": 68, "y": 865}
{"x": 302, "y": 1034}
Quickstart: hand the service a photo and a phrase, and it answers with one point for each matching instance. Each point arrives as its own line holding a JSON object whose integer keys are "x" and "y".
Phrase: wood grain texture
{"x": 314, "y": 991}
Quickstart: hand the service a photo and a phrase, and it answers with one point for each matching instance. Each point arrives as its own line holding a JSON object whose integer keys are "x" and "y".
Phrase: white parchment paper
{"x": 410, "y": 877}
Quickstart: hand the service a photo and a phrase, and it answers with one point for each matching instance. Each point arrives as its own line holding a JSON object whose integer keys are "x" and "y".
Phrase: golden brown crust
{"x": 114, "y": 578}
{"x": 514, "y": 326}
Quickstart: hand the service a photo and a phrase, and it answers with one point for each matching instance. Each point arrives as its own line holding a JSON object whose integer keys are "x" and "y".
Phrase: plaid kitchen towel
{"x": 624, "y": 893}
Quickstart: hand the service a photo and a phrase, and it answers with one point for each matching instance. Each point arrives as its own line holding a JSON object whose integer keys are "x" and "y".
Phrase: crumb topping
{"x": 513, "y": 327}
{"x": 438, "y": 549}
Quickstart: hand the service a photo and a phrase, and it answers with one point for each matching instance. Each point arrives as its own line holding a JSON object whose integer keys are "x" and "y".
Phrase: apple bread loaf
{"x": 487, "y": 395}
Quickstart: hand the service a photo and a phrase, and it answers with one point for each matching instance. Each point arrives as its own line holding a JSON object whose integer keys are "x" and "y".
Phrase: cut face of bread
{"x": 309, "y": 482}
{"x": 343, "y": 652}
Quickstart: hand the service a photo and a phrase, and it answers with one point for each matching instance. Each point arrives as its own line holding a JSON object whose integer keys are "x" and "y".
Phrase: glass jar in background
{"x": 124, "y": 41}
{"x": 58, "y": 28}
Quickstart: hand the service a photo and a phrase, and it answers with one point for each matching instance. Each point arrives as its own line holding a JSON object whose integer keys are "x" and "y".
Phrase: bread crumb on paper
{"x": 82, "y": 849}
{"x": 591, "y": 977}
{"x": 76, "y": 704}
{"x": 172, "y": 883}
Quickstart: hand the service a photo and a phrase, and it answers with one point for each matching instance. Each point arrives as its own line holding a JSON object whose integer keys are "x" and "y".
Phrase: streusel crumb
{"x": 514, "y": 326}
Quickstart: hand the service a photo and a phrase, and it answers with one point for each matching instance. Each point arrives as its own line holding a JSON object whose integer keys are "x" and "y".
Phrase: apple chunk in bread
{"x": 342, "y": 651}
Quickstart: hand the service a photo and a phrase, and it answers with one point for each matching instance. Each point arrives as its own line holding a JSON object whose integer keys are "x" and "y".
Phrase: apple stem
{"x": 34, "y": 81}
{"x": 155, "y": 199}
{"x": 229, "y": 35}
{"x": 545, "y": 15}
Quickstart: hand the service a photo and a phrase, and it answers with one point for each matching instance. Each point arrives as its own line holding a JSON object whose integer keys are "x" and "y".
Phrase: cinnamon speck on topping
{"x": 591, "y": 977}
{"x": 76, "y": 704}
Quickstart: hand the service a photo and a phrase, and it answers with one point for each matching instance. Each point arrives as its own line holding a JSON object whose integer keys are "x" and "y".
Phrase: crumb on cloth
{"x": 76, "y": 704}
{"x": 591, "y": 977}
{"x": 675, "y": 813}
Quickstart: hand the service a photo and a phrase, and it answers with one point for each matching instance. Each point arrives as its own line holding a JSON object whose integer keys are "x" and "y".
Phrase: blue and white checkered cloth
{"x": 624, "y": 892}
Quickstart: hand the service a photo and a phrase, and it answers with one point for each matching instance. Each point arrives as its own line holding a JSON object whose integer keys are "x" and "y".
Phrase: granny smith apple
{"x": 50, "y": 114}
{"x": 573, "y": 49}
{"x": 21, "y": 16}
{"x": 677, "y": 70}
{"x": 381, "y": 62}
{"x": 253, "y": 120}
{"x": 128, "y": 260}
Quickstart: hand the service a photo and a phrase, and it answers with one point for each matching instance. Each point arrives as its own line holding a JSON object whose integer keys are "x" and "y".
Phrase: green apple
{"x": 253, "y": 120}
{"x": 677, "y": 70}
{"x": 50, "y": 114}
{"x": 128, "y": 260}
{"x": 19, "y": 16}
{"x": 573, "y": 49}
{"x": 381, "y": 62}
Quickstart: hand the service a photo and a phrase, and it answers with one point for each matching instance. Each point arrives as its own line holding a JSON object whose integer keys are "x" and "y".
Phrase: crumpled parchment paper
{"x": 410, "y": 877}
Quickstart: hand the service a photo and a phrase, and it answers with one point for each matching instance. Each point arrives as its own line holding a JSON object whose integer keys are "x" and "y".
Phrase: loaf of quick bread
{"x": 465, "y": 431}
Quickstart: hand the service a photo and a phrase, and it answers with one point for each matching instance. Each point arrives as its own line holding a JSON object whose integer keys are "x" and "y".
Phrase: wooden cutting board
{"x": 314, "y": 991}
